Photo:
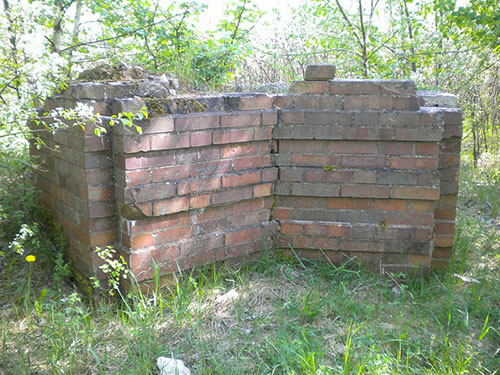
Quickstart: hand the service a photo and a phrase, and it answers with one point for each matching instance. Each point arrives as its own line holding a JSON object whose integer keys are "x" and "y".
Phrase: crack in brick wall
{"x": 334, "y": 168}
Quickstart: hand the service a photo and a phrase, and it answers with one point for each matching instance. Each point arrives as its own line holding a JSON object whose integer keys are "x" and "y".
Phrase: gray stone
{"x": 438, "y": 99}
{"x": 171, "y": 366}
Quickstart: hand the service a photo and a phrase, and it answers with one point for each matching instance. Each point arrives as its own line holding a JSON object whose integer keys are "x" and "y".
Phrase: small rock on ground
{"x": 171, "y": 366}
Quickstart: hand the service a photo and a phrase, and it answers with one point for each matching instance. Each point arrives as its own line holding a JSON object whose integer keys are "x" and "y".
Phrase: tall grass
{"x": 271, "y": 317}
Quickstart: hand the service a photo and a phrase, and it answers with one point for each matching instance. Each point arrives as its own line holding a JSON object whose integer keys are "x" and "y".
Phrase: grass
{"x": 275, "y": 316}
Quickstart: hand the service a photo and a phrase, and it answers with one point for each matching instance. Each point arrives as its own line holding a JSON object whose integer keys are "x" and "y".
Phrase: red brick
{"x": 391, "y": 205}
{"x": 169, "y": 173}
{"x": 246, "y": 178}
{"x": 325, "y": 230}
{"x": 233, "y": 151}
{"x": 321, "y": 175}
{"x": 201, "y": 139}
{"x": 395, "y": 148}
{"x": 282, "y": 214}
{"x": 446, "y": 214}
{"x": 449, "y": 160}
{"x": 197, "y": 122}
{"x": 445, "y": 241}
{"x": 138, "y": 177}
{"x": 170, "y": 206}
{"x": 263, "y": 133}
{"x": 100, "y": 193}
{"x": 422, "y": 206}
{"x": 251, "y": 162}
{"x": 240, "y": 119}
{"x": 210, "y": 184}
{"x": 232, "y": 195}
{"x": 142, "y": 240}
{"x": 349, "y": 203}
{"x": 210, "y": 168}
{"x": 450, "y": 146}
{"x": 233, "y": 136}
{"x": 359, "y": 245}
{"x": 427, "y": 148}
{"x": 368, "y": 102}
{"x": 243, "y": 236}
{"x": 291, "y": 117}
{"x": 172, "y": 235}
{"x": 399, "y": 218}
{"x": 199, "y": 201}
{"x": 442, "y": 253}
{"x": 365, "y": 191}
{"x": 309, "y": 87}
{"x": 304, "y": 147}
{"x": 263, "y": 190}
{"x": 148, "y": 161}
{"x": 293, "y": 229}
{"x": 364, "y": 177}
{"x": 352, "y": 147}
{"x": 420, "y": 259}
{"x": 269, "y": 117}
{"x": 167, "y": 141}
{"x": 423, "y": 234}
{"x": 445, "y": 228}
{"x": 311, "y": 160}
{"x": 410, "y": 192}
{"x": 93, "y": 143}
{"x": 364, "y": 161}
{"x": 159, "y": 125}
{"x": 269, "y": 174}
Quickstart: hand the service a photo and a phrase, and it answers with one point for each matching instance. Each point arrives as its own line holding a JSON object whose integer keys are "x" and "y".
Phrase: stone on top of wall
{"x": 319, "y": 72}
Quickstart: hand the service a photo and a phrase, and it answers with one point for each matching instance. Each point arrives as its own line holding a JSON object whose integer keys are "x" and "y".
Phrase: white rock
{"x": 171, "y": 366}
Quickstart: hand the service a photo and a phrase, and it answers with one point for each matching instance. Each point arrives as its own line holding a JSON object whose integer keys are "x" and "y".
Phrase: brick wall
{"x": 334, "y": 168}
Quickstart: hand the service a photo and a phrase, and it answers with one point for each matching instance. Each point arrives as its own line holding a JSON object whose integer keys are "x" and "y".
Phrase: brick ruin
{"x": 335, "y": 168}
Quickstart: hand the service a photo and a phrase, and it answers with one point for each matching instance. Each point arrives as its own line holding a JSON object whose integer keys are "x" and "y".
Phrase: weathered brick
{"x": 427, "y": 148}
{"x": 170, "y": 206}
{"x": 167, "y": 141}
{"x": 317, "y": 190}
{"x": 232, "y": 136}
{"x": 138, "y": 177}
{"x": 142, "y": 240}
{"x": 197, "y": 122}
{"x": 248, "y": 102}
{"x": 349, "y": 203}
{"x": 325, "y": 175}
{"x": 319, "y": 72}
{"x": 391, "y": 205}
{"x": 263, "y": 190}
{"x": 242, "y": 236}
{"x": 246, "y": 178}
{"x": 199, "y": 201}
{"x": 172, "y": 235}
{"x": 232, "y": 195}
{"x": 364, "y": 177}
{"x": 364, "y": 191}
{"x": 198, "y": 139}
{"x": 158, "y": 125}
{"x": 331, "y": 230}
{"x": 395, "y": 148}
{"x": 407, "y": 192}
{"x": 294, "y": 229}
{"x": 251, "y": 162}
{"x": 240, "y": 119}
{"x": 166, "y": 173}
{"x": 309, "y": 87}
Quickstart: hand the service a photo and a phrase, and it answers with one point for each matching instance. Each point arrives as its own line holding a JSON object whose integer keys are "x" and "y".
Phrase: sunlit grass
{"x": 273, "y": 316}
